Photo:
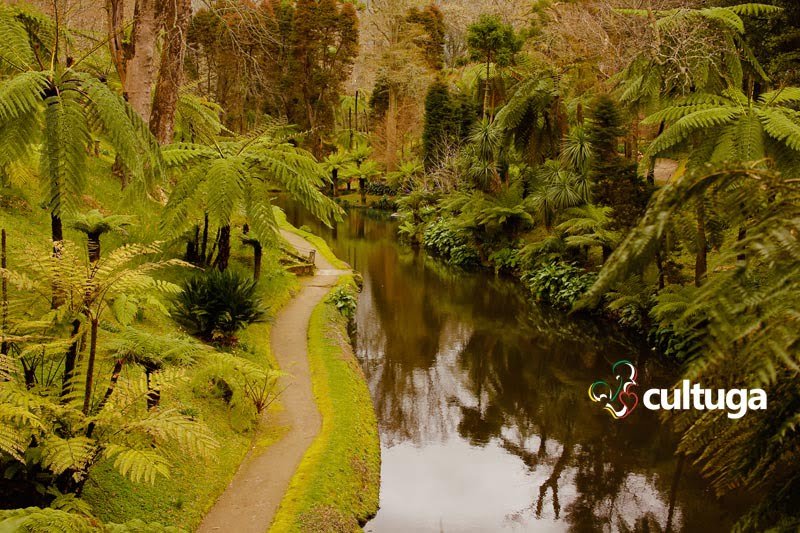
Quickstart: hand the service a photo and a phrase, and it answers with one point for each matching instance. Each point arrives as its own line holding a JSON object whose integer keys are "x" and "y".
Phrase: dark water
{"x": 482, "y": 402}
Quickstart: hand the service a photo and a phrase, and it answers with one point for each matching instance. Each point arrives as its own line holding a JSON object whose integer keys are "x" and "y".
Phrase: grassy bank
{"x": 318, "y": 242}
{"x": 337, "y": 483}
{"x": 194, "y": 482}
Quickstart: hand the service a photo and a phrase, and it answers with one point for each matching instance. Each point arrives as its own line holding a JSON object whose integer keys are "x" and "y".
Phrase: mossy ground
{"x": 194, "y": 483}
{"x": 336, "y": 486}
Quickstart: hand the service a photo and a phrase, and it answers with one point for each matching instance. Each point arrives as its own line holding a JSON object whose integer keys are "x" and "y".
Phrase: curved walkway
{"x": 250, "y": 501}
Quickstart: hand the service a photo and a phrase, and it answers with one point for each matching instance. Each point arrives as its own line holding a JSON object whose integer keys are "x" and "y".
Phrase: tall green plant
{"x": 238, "y": 175}
{"x": 48, "y": 100}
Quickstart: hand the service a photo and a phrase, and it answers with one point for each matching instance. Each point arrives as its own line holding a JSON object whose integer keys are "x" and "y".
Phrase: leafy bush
{"x": 385, "y": 204}
{"x": 215, "y": 305}
{"x": 377, "y": 188}
{"x": 559, "y": 284}
{"x": 447, "y": 242}
{"x": 344, "y": 300}
{"x": 505, "y": 260}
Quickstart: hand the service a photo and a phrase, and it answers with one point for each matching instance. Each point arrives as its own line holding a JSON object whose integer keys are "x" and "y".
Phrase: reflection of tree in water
{"x": 451, "y": 354}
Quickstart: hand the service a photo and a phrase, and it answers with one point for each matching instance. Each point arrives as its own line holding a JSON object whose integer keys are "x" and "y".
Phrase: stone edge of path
{"x": 250, "y": 501}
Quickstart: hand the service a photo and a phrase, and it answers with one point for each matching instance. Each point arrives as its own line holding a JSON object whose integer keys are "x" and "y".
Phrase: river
{"x": 481, "y": 397}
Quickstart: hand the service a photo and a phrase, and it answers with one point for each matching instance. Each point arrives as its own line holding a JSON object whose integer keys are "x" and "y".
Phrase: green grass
{"x": 318, "y": 242}
{"x": 336, "y": 485}
{"x": 194, "y": 483}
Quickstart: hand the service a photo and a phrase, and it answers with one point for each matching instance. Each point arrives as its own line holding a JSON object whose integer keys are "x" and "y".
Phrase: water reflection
{"x": 481, "y": 400}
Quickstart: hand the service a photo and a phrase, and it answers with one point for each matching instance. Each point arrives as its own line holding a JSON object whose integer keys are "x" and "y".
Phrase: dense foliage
{"x": 215, "y": 305}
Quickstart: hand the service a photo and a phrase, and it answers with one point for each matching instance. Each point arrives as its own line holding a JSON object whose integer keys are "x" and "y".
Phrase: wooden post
{"x": 312, "y": 257}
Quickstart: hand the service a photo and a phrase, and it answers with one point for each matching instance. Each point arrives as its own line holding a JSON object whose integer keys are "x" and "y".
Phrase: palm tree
{"x": 237, "y": 175}
{"x": 94, "y": 224}
{"x": 705, "y": 57}
{"x": 334, "y": 164}
{"x": 47, "y": 100}
{"x": 744, "y": 321}
{"x": 729, "y": 128}
{"x": 557, "y": 188}
{"x": 407, "y": 174}
{"x": 533, "y": 120}
{"x": 587, "y": 226}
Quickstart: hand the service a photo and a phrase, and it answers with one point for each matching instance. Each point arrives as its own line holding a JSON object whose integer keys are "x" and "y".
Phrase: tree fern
{"x": 69, "y": 105}
{"x": 234, "y": 176}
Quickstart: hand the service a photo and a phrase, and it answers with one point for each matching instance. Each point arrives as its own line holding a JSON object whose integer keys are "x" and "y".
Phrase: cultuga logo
{"x": 620, "y": 400}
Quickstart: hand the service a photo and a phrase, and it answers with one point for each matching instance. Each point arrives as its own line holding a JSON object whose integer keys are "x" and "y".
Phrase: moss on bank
{"x": 336, "y": 486}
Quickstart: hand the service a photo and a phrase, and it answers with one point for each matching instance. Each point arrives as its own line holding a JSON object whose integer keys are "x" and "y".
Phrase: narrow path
{"x": 250, "y": 501}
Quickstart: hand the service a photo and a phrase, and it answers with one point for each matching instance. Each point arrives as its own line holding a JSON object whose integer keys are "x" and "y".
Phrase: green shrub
{"x": 443, "y": 240}
{"x": 559, "y": 284}
{"x": 505, "y": 260}
{"x": 384, "y": 204}
{"x": 344, "y": 300}
{"x": 215, "y": 305}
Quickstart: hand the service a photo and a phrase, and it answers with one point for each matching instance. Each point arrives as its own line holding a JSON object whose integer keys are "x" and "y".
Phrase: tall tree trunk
{"x": 335, "y": 182}
{"x": 140, "y": 68}
{"x": 153, "y": 393}
{"x": 391, "y": 130}
{"x": 362, "y": 188}
{"x": 115, "y": 11}
{"x": 56, "y": 228}
{"x": 87, "y": 393}
{"x": 486, "y": 87}
{"x": 742, "y": 257}
{"x": 651, "y": 172}
{"x": 4, "y": 344}
{"x": 175, "y": 15}
{"x": 57, "y": 235}
{"x": 701, "y": 260}
{"x": 224, "y": 253}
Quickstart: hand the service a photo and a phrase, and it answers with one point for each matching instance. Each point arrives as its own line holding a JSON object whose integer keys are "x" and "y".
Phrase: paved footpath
{"x": 249, "y": 503}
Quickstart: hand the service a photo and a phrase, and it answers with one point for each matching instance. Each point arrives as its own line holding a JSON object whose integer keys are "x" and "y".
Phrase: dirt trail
{"x": 250, "y": 501}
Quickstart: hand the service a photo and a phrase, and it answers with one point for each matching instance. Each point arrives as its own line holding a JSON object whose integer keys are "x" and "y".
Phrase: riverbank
{"x": 336, "y": 487}
{"x": 323, "y": 471}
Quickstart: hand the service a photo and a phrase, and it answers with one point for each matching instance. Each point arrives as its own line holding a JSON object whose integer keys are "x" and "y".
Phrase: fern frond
{"x": 22, "y": 94}
{"x": 140, "y": 466}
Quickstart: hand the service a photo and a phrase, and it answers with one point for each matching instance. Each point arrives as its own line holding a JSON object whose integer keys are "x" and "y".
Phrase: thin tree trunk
{"x": 153, "y": 393}
{"x": 4, "y": 345}
{"x": 362, "y": 188}
{"x": 93, "y": 246}
{"x": 56, "y": 228}
{"x": 651, "y": 172}
{"x": 140, "y": 68}
{"x": 660, "y": 266}
{"x": 391, "y": 130}
{"x": 70, "y": 359}
{"x": 701, "y": 260}
{"x": 335, "y": 182}
{"x": 486, "y": 88}
{"x": 742, "y": 257}
{"x": 176, "y": 15}
{"x": 224, "y": 253}
{"x": 204, "y": 245}
{"x": 257, "y": 256}
{"x": 87, "y": 393}
{"x": 57, "y": 235}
